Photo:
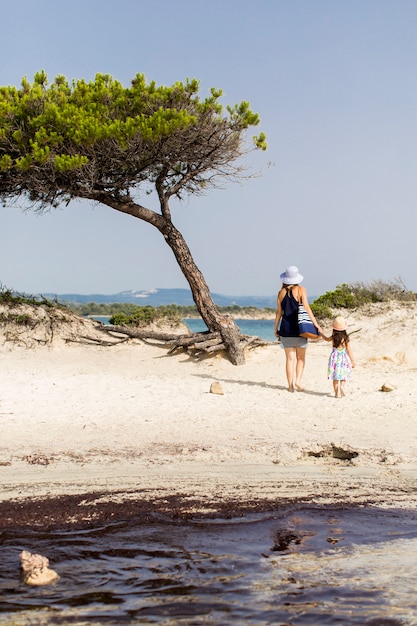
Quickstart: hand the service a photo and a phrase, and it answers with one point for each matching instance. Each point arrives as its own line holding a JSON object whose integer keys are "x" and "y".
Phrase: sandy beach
{"x": 129, "y": 423}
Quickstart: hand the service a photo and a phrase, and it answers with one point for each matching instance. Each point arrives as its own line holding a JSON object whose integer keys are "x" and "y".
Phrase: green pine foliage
{"x": 64, "y": 139}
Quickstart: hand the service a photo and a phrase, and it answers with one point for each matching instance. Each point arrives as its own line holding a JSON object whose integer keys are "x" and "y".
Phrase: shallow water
{"x": 303, "y": 565}
{"x": 257, "y": 328}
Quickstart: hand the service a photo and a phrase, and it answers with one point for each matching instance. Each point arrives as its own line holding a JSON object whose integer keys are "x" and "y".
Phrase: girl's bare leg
{"x": 336, "y": 389}
{"x": 342, "y": 387}
{"x": 299, "y": 368}
{"x": 290, "y": 356}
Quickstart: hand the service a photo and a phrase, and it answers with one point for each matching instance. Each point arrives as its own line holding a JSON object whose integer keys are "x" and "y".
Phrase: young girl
{"x": 341, "y": 359}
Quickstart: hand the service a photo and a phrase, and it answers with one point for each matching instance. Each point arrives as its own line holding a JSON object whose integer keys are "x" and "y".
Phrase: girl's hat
{"x": 291, "y": 276}
{"x": 339, "y": 323}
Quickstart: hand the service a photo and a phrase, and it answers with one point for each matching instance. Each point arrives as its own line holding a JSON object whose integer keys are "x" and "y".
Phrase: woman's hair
{"x": 340, "y": 338}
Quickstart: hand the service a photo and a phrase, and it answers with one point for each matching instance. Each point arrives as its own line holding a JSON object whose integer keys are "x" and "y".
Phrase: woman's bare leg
{"x": 299, "y": 368}
{"x": 290, "y": 356}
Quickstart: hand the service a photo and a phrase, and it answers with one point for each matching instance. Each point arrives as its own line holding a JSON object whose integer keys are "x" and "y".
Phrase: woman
{"x": 289, "y": 297}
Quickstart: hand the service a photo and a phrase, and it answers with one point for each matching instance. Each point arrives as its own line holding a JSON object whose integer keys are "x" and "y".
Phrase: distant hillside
{"x": 157, "y": 297}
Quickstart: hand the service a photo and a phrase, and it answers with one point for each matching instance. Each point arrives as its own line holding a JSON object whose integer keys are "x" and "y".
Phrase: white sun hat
{"x": 291, "y": 276}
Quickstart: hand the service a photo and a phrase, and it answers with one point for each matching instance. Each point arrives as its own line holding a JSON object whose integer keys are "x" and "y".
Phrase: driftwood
{"x": 192, "y": 343}
{"x": 87, "y": 339}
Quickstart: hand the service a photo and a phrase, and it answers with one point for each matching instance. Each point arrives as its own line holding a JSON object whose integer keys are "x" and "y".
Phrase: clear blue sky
{"x": 335, "y": 85}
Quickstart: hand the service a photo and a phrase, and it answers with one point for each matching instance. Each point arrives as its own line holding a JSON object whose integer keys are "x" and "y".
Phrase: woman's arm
{"x": 278, "y": 314}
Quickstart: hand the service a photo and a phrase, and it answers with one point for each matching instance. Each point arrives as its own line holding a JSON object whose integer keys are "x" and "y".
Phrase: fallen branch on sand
{"x": 195, "y": 343}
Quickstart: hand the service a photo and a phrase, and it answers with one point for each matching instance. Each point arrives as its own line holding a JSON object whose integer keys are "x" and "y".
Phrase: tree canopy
{"x": 82, "y": 139}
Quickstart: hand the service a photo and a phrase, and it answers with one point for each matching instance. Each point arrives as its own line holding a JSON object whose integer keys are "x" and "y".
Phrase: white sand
{"x": 78, "y": 419}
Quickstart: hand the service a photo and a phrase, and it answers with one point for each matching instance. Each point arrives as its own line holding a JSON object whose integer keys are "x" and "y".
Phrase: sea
{"x": 299, "y": 564}
{"x": 264, "y": 329}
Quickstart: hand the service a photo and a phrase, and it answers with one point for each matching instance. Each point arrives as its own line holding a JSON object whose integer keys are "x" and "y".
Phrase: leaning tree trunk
{"x": 214, "y": 320}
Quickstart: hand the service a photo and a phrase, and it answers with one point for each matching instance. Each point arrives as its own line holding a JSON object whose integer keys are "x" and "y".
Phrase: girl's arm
{"x": 350, "y": 354}
{"x": 278, "y": 314}
{"x": 324, "y": 337}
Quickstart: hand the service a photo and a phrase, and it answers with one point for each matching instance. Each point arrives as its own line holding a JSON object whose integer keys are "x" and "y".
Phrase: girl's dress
{"x": 340, "y": 366}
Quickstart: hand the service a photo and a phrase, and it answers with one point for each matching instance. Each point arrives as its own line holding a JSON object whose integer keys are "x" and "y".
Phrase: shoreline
{"x": 224, "y": 492}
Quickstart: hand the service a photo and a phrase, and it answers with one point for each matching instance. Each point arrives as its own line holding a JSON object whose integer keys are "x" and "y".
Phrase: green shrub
{"x": 342, "y": 298}
{"x": 12, "y": 298}
{"x": 358, "y": 294}
{"x": 321, "y": 310}
{"x": 23, "y": 320}
{"x": 144, "y": 315}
